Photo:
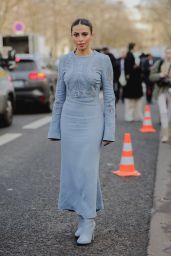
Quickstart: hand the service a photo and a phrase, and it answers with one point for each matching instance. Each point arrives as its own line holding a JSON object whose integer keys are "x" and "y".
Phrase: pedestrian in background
{"x": 146, "y": 66}
{"x": 121, "y": 74}
{"x": 81, "y": 124}
{"x": 161, "y": 74}
{"x": 113, "y": 60}
{"x": 133, "y": 92}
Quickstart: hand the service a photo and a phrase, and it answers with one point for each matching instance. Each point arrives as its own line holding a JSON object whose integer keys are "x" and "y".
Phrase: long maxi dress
{"x": 80, "y": 122}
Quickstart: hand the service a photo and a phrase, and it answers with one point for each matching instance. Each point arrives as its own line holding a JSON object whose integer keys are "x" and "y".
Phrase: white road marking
{"x": 38, "y": 123}
{"x": 9, "y": 137}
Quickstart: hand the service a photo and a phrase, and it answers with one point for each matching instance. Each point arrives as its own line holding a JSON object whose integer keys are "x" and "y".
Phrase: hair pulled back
{"x": 82, "y": 21}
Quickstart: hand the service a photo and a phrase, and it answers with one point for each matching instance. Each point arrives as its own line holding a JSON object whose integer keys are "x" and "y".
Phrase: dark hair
{"x": 131, "y": 46}
{"x": 105, "y": 49}
{"x": 82, "y": 21}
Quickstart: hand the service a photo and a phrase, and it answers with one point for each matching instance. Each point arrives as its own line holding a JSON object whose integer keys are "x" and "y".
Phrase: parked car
{"x": 7, "y": 98}
{"x": 34, "y": 81}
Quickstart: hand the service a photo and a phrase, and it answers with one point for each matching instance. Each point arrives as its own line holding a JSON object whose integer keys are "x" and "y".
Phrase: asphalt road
{"x": 31, "y": 225}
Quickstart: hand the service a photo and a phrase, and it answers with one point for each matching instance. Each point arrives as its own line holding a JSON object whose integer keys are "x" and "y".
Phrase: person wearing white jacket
{"x": 161, "y": 74}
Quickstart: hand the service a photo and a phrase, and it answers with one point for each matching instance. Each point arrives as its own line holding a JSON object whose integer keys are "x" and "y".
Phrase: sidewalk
{"x": 160, "y": 228}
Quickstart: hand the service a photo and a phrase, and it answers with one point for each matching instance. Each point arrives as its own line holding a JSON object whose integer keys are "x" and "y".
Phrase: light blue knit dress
{"x": 81, "y": 124}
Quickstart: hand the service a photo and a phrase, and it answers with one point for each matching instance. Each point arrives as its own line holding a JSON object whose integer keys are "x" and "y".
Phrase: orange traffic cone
{"x": 147, "y": 123}
{"x": 127, "y": 167}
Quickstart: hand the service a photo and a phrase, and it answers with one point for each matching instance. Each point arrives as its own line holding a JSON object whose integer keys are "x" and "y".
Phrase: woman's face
{"x": 81, "y": 36}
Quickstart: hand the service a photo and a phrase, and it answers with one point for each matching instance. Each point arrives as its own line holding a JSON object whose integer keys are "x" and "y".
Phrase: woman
{"x": 160, "y": 71}
{"x": 133, "y": 90}
{"x": 82, "y": 126}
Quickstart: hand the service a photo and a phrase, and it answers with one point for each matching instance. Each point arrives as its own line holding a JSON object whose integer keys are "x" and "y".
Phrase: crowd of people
{"x": 131, "y": 72}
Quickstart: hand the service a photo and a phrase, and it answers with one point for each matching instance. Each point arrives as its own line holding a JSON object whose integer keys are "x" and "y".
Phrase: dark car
{"x": 7, "y": 98}
{"x": 34, "y": 81}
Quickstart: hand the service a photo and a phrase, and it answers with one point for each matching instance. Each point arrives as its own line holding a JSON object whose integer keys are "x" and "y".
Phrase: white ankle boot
{"x": 87, "y": 232}
{"x": 165, "y": 135}
{"x": 78, "y": 231}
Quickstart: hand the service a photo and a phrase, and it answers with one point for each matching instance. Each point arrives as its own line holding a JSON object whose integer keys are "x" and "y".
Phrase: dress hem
{"x": 72, "y": 210}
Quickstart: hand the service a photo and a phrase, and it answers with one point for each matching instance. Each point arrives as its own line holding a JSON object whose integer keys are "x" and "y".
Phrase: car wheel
{"x": 50, "y": 101}
{"x": 8, "y": 115}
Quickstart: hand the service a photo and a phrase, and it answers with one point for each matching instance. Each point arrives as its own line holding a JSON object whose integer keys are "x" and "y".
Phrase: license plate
{"x": 18, "y": 84}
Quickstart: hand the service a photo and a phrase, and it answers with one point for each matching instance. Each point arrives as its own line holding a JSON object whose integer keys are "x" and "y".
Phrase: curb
{"x": 160, "y": 226}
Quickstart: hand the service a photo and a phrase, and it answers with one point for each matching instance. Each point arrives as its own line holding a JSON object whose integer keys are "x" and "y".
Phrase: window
{"x": 25, "y": 65}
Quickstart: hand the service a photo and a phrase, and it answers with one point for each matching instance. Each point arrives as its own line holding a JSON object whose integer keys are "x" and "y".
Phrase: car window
{"x": 25, "y": 65}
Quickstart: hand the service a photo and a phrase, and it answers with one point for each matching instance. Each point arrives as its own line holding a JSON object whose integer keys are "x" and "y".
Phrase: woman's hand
{"x": 106, "y": 142}
{"x": 163, "y": 74}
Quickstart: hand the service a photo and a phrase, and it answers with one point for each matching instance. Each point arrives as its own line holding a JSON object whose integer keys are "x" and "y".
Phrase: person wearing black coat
{"x": 146, "y": 66}
{"x": 121, "y": 68}
{"x": 113, "y": 60}
{"x": 133, "y": 91}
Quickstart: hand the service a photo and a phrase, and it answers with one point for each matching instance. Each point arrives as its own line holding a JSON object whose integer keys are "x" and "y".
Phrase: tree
{"x": 52, "y": 18}
{"x": 6, "y": 9}
{"x": 159, "y": 18}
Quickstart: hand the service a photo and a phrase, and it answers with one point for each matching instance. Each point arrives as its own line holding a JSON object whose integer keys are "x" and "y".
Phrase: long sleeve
{"x": 109, "y": 101}
{"x": 60, "y": 95}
